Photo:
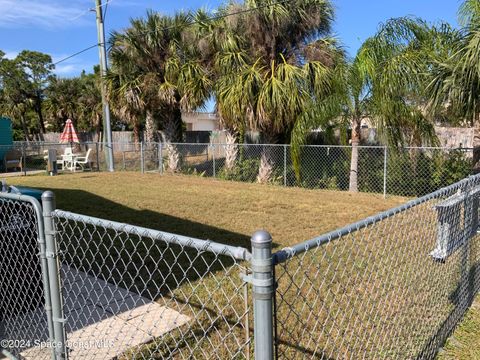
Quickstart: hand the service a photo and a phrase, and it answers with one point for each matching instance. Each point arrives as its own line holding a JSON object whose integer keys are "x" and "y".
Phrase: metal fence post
{"x": 48, "y": 203}
{"x": 160, "y": 157}
{"x": 98, "y": 155}
{"x": 45, "y": 278}
{"x": 24, "y": 159}
{"x": 385, "y": 173}
{"x": 142, "y": 158}
{"x": 262, "y": 281}
{"x": 213, "y": 157}
{"x": 285, "y": 165}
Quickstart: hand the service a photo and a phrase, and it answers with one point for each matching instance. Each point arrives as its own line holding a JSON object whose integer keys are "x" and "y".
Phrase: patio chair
{"x": 83, "y": 162}
{"x": 13, "y": 160}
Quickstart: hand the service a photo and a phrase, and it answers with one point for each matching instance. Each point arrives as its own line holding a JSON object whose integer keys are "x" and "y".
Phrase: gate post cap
{"x": 48, "y": 195}
{"x": 261, "y": 237}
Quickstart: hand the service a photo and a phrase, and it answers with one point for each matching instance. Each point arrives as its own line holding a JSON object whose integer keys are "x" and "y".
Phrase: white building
{"x": 197, "y": 121}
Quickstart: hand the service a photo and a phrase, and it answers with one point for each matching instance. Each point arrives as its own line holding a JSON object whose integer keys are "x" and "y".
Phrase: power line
{"x": 80, "y": 15}
{"x": 76, "y": 54}
{"x": 105, "y": 4}
{"x": 105, "y": 11}
{"x": 92, "y": 9}
{"x": 240, "y": 12}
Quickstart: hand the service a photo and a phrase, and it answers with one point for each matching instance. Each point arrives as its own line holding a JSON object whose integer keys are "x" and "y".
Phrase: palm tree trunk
{"x": 24, "y": 126}
{"x": 170, "y": 134}
{"x": 231, "y": 150}
{"x": 266, "y": 166}
{"x": 150, "y": 128}
{"x": 136, "y": 133}
{"x": 38, "y": 110}
{"x": 356, "y": 137}
{"x": 98, "y": 126}
{"x": 267, "y": 161}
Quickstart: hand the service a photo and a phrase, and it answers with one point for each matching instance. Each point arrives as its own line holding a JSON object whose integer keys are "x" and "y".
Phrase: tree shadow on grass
{"x": 155, "y": 266}
{"x": 196, "y": 283}
{"x": 85, "y": 203}
{"x": 203, "y": 286}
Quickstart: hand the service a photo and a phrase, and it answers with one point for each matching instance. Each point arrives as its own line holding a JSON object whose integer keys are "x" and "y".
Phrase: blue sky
{"x": 63, "y": 27}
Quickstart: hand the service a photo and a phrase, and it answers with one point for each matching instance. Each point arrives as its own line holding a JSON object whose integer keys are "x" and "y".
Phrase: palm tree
{"x": 455, "y": 84}
{"x": 90, "y": 102}
{"x": 16, "y": 109}
{"x": 159, "y": 73}
{"x": 384, "y": 86}
{"x": 61, "y": 102}
{"x": 273, "y": 61}
{"x": 125, "y": 95}
{"x": 385, "y": 83}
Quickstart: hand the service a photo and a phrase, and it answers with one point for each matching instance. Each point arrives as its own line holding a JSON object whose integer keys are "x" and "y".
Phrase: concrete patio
{"x": 103, "y": 321}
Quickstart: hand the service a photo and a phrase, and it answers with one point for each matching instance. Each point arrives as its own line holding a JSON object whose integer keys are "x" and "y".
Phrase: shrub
{"x": 450, "y": 168}
{"x": 245, "y": 170}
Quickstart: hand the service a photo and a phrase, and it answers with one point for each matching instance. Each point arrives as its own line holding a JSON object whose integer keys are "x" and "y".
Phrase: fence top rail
{"x": 209, "y": 144}
{"x": 238, "y": 253}
{"x": 289, "y": 252}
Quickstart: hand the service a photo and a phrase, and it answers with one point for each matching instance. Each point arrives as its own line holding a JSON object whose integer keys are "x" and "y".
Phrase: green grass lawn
{"x": 227, "y": 212}
{"x": 464, "y": 344}
{"x": 375, "y": 293}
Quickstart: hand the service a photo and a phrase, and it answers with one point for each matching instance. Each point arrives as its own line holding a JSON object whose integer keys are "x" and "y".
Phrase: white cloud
{"x": 11, "y": 54}
{"x": 72, "y": 67}
{"x": 48, "y": 14}
{"x": 68, "y": 68}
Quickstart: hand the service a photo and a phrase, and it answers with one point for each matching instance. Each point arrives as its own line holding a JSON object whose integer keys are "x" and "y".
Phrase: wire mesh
{"x": 419, "y": 171}
{"x": 23, "y": 320}
{"x": 139, "y": 294}
{"x": 390, "y": 286}
{"x": 373, "y": 169}
{"x": 253, "y": 163}
{"x": 126, "y": 156}
{"x": 393, "y": 286}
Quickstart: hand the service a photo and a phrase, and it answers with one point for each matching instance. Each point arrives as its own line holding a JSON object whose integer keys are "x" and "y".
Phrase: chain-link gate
{"x": 137, "y": 293}
{"x": 25, "y": 304}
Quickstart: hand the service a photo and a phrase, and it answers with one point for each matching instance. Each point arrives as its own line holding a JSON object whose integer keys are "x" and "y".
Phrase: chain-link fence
{"x": 25, "y": 309}
{"x": 392, "y": 286}
{"x": 108, "y": 290}
{"x": 148, "y": 294}
{"x": 374, "y": 169}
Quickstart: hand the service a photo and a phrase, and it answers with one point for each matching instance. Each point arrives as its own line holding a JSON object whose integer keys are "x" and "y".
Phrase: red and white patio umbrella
{"x": 69, "y": 135}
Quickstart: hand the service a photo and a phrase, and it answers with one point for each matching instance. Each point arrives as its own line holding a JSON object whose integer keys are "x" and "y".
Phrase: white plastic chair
{"x": 83, "y": 161}
{"x": 66, "y": 159}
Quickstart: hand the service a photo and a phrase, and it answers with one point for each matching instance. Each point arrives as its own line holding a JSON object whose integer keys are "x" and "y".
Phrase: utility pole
{"x": 107, "y": 130}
